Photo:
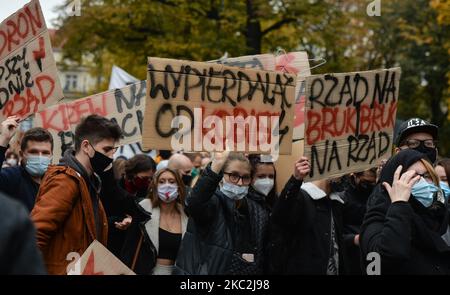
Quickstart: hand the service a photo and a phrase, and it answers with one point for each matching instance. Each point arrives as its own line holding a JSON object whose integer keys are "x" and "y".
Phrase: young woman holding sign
{"x": 227, "y": 230}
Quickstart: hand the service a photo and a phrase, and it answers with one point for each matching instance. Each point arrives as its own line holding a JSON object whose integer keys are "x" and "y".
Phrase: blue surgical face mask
{"x": 424, "y": 192}
{"x": 37, "y": 165}
{"x": 446, "y": 189}
{"x": 234, "y": 192}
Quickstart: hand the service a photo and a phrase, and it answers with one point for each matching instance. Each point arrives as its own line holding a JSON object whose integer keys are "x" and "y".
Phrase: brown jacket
{"x": 64, "y": 217}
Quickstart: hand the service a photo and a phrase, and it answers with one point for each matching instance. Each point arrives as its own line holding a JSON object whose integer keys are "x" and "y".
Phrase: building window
{"x": 71, "y": 83}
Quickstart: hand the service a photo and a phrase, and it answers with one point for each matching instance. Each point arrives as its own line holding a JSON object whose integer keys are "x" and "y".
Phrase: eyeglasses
{"x": 425, "y": 175}
{"x": 414, "y": 143}
{"x": 234, "y": 178}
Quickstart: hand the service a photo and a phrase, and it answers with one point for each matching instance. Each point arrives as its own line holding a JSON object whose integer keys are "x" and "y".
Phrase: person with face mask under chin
{"x": 355, "y": 199}
{"x": 227, "y": 230}
{"x": 68, "y": 213}
{"x": 22, "y": 182}
{"x": 406, "y": 216}
{"x": 151, "y": 245}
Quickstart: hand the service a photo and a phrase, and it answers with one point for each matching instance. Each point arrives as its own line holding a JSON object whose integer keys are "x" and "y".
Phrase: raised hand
{"x": 302, "y": 168}
{"x": 219, "y": 160}
{"x": 8, "y": 129}
{"x": 402, "y": 185}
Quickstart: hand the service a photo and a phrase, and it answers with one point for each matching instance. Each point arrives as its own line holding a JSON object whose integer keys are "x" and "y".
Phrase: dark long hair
{"x": 137, "y": 164}
{"x": 255, "y": 161}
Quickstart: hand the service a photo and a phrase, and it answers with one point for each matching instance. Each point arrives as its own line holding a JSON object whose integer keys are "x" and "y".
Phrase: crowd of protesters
{"x": 220, "y": 213}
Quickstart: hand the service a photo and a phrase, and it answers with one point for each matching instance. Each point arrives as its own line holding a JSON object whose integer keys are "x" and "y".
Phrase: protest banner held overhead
{"x": 293, "y": 63}
{"x": 196, "y": 106}
{"x": 349, "y": 120}
{"x": 28, "y": 77}
{"x": 124, "y": 105}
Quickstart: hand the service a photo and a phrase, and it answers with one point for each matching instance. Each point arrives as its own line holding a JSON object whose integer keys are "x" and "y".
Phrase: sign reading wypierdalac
{"x": 349, "y": 120}
{"x": 123, "y": 105}
{"x": 198, "y": 106}
{"x": 293, "y": 63}
{"x": 28, "y": 78}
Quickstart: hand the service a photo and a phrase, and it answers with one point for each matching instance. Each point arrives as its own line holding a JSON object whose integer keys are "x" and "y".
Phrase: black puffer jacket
{"x": 406, "y": 235}
{"x": 207, "y": 247}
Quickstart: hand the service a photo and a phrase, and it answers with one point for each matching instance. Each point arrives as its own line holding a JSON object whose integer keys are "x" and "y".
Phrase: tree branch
{"x": 278, "y": 25}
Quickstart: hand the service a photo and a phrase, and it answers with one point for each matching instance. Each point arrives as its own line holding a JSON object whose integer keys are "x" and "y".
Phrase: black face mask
{"x": 187, "y": 179}
{"x": 429, "y": 152}
{"x": 365, "y": 188}
{"x": 99, "y": 162}
{"x": 336, "y": 185}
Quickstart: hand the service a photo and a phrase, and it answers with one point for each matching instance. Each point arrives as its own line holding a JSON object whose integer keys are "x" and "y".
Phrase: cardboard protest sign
{"x": 349, "y": 120}
{"x": 296, "y": 63}
{"x": 258, "y": 62}
{"x": 285, "y": 164}
{"x": 97, "y": 260}
{"x": 28, "y": 77}
{"x": 197, "y": 106}
{"x": 293, "y": 63}
{"x": 125, "y": 106}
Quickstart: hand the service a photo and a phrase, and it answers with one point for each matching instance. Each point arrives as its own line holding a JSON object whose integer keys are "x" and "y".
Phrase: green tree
{"x": 419, "y": 42}
{"x": 413, "y": 34}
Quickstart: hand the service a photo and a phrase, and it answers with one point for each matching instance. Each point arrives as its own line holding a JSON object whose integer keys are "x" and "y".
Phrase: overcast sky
{"x": 8, "y": 7}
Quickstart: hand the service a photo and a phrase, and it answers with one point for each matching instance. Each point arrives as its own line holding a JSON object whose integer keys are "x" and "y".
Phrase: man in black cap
{"x": 419, "y": 135}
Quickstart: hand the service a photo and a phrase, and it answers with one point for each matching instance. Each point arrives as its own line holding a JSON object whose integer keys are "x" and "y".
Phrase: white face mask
{"x": 234, "y": 192}
{"x": 263, "y": 185}
{"x": 167, "y": 192}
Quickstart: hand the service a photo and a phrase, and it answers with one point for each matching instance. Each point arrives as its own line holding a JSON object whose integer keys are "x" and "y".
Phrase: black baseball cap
{"x": 415, "y": 125}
